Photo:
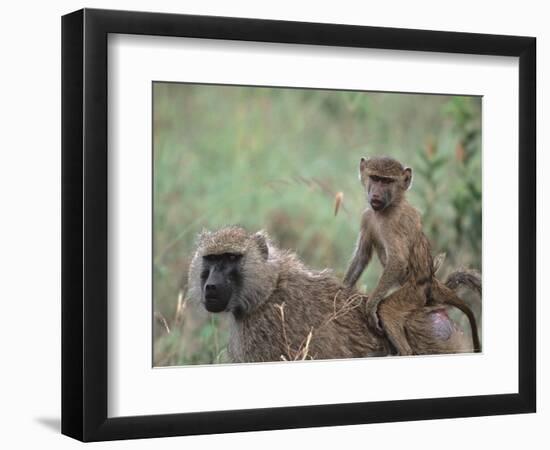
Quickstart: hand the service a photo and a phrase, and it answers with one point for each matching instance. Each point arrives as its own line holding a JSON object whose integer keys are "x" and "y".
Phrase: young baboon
{"x": 282, "y": 310}
{"x": 392, "y": 227}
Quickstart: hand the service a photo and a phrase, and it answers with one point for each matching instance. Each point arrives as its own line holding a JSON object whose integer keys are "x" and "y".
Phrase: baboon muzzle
{"x": 217, "y": 292}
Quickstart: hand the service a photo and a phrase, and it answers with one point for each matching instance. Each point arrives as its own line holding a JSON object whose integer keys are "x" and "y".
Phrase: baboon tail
{"x": 443, "y": 294}
{"x": 466, "y": 277}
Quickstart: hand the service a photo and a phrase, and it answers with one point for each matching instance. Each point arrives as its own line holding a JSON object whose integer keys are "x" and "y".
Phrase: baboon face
{"x": 384, "y": 180}
{"x": 221, "y": 280}
{"x": 230, "y": 271}
{"x": 380, "y": 192}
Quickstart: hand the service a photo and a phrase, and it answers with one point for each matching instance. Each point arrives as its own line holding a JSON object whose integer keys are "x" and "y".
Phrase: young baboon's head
{"x": 231, "y": 270}
{"x": 385, "y": 181}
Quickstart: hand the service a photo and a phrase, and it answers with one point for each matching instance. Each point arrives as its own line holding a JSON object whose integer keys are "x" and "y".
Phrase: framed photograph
{"x": 272, "y": 224}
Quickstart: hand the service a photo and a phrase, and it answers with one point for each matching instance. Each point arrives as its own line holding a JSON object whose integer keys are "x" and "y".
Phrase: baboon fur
{"x": 283, "y": 302}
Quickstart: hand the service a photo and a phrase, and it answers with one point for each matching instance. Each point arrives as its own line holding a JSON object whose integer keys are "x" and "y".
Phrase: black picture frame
{"x": 84, "y": 224}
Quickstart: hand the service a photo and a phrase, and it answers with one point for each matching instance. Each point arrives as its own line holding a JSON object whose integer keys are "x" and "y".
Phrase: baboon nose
{"x": 210, "y": 288}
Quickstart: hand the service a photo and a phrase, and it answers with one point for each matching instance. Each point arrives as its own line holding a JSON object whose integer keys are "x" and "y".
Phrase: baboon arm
{"x": 360, "y": 260}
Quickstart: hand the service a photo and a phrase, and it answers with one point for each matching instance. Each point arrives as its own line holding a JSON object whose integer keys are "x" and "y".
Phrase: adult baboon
{"x": 281, "y": 310}
{"x": 392, "y": 228}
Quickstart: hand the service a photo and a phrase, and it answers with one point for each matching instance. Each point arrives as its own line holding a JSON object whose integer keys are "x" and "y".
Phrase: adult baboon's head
{"x": 231, "y": 271}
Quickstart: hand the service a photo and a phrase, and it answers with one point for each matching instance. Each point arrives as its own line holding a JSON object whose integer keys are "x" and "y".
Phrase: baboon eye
{"x": 234, "y": 257}
{"x": 382, "y": 180}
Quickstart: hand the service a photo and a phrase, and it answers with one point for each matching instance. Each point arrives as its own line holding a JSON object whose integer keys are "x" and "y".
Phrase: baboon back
{"x": 311, "y": 315}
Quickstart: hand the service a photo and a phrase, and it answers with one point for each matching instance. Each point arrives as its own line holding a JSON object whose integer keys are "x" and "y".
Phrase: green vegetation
{"x": 274, "y": 159}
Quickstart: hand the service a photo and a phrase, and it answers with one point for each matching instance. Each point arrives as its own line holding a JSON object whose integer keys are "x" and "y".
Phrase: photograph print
{"x": 299, "y": 224}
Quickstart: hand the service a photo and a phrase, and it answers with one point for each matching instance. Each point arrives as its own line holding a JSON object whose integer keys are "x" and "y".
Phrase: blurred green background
{"x": 274, "y": 159}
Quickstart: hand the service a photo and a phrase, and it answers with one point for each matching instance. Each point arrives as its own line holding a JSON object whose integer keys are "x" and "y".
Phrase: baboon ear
{"x": 407, "y": 178}
{"x": 362, "y": 167}
{"x": 261, "y": 241}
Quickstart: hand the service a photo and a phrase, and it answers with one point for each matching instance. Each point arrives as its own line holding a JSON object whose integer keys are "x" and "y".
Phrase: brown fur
{"x": 293, "y": 312}
{"x": 393, "y": 229}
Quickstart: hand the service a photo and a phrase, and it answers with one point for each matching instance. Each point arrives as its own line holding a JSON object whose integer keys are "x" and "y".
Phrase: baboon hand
{"x": 372, "y": 318}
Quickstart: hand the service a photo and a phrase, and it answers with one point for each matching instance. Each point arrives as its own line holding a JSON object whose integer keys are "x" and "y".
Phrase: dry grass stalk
{"x": 338, "y": 199}
{"x": 281, "y": 309}
{"x": 303, "y": 350}
{"x": 181, "y": 305}
{"x": 160, "y": 318}
{"x": 348, "y": 305}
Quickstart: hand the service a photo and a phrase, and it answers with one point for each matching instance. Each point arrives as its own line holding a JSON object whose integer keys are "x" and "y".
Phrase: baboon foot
{"x": 374, "y": 322}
